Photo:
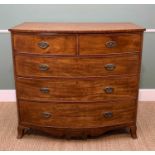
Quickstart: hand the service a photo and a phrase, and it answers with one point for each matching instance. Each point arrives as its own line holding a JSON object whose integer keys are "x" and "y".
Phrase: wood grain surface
{"x": 76, "y": 89}
{"x": 30, "y": 66}
{"x": 57, "y": 44}
{"x": 81, "y": 115}
{"x": 76, "y": 27}
{"x": 96, "y": 43}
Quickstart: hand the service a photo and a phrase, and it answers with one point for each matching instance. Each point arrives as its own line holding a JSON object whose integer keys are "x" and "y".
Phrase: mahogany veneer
{"x": 77, "y": 79}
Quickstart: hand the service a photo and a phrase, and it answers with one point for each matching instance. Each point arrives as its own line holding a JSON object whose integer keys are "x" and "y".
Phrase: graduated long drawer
{"x": 81, "y": 115}
{"x": 32, "y": 66}
{"x": 92, "y": 89}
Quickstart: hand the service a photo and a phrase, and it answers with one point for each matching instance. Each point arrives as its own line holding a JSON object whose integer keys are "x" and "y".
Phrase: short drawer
{"x": 92, "y": 44}
{"x": 45, "y": 44}
{"x": 77, "y": 115}
{"x": 93, "y": 89}
{"x": 29, "y": 66}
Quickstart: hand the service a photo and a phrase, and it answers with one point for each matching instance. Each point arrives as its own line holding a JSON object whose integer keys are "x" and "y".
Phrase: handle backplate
{"x": 111, "y": 44}
{"x": 110, "y": 67}
{"x": 44, "y": 90}
{"x": 109, "y": 90}
{"x": 43, "y": 44}
{"x": 46, "y": 114}
{"x": 108, "y": 114}
{"x": 43, "y": 67}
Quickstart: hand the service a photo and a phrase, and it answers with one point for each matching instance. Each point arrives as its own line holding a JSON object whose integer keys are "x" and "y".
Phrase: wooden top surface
{"x": 76, "y": 27}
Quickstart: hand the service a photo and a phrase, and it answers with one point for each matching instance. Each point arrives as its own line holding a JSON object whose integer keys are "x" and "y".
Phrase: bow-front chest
{"x": 77, "y": 79}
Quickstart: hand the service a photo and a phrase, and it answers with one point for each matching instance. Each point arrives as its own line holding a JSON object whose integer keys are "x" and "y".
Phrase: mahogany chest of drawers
{"x": 77, "y": 79}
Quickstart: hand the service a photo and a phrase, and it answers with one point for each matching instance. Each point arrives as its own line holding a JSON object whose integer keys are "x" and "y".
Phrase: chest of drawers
{"x": 77, "y": 79}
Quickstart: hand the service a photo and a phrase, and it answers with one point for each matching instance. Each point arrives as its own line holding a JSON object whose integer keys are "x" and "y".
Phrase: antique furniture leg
{"x": 133, "y": 132}
{"x": 21, "y": 130}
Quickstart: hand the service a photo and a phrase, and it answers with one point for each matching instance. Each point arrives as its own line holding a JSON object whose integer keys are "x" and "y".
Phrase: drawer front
{"x": 109, "y": 43}
{"x": 28, "y": 66}
{"x": 77, "y": 115}
{"x": 97, "y": 89}
{"x": 45, "y": 44}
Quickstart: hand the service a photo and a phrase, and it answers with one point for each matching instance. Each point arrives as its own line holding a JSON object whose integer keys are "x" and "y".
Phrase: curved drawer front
{"x": 77, "y": 115}
{"x": 76, "y": 89}
{"x": 29, "y": 66}
{"x": 109, "y": 43}
{"x": 45, "y": 44}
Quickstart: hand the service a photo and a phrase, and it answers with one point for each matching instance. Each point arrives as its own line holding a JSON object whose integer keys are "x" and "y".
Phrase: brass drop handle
{"x": 43, "y": 67}
{"x": 43, "y": 44}
{"x": 46, "y": 114}
{"x": 110, "y": 67}
{"x": 44, "y": 90}
{"x": 111, "y": 44}
{"x": 109, "y": 90}
{"x": 108, "y": 114}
